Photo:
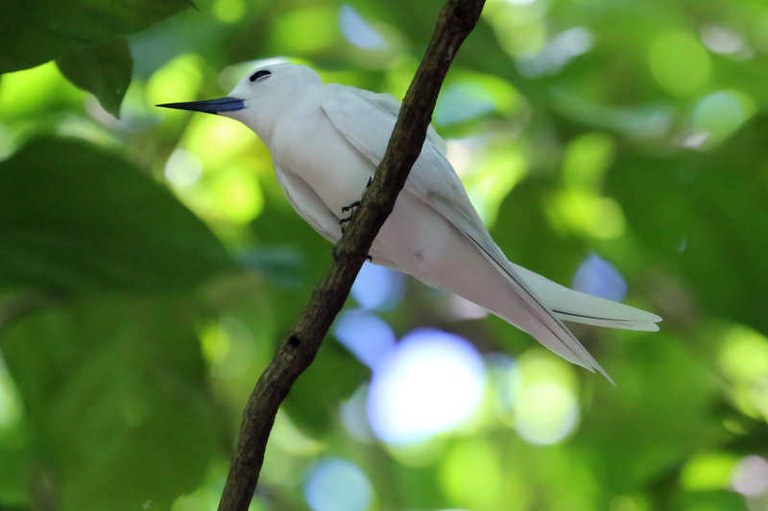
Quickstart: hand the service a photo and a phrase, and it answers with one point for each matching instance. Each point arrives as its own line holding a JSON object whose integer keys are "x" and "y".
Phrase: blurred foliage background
{"x": 149, "y": 261}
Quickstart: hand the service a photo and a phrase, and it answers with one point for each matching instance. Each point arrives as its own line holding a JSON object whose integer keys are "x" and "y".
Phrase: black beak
{"x": 209, "y": 106}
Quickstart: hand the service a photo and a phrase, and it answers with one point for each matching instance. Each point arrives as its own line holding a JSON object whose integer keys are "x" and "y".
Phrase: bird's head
{"x": 261, "y": 96}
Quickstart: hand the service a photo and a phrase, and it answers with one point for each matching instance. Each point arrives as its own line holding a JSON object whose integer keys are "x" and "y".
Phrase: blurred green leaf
{"x": 103, "y": 70}
{"x": 703, "y": 215}
{"x": 524, "y": 232}
{"x": 119, "y": 417}
{"x": 76, "y": 218}
{"x": 15, "y": 466}
{"x": 717, "y": 500}
{"x": 33, "y": 33}
{"x": 315, "y": 398}
{"x": 645, "y": 418}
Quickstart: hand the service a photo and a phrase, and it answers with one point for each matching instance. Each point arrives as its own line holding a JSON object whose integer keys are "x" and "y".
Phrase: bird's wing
{"x": 313, "y": 210}
{"x": 433, "y": 178}
{"x": 366, "y": 121}
{"x": 386, "y": 102}
{"x": 309, "y": 205}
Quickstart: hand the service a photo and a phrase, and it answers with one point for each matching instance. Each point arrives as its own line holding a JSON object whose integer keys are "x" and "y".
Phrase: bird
{"x": 326, "y": 141}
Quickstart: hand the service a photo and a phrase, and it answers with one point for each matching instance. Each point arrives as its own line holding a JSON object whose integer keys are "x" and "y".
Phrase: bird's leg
{"x": 351, "y": 208}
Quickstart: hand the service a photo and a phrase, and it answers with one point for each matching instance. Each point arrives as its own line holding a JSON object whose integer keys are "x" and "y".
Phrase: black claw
{"x": 350, "y": 207}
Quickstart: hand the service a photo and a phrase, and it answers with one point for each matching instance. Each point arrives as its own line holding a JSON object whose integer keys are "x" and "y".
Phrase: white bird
{"x": 326, "y": 141}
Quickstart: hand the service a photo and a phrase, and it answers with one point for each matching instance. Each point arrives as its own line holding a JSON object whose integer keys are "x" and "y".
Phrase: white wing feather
{"x": 309, "y": 205}
{"x": 433, "y": 180}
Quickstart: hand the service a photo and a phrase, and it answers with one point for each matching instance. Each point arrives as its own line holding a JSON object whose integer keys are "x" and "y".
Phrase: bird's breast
{"x": 310, "y": 147}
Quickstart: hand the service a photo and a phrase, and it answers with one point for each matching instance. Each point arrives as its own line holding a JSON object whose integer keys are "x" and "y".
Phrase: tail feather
{"x": 570, "y": 305}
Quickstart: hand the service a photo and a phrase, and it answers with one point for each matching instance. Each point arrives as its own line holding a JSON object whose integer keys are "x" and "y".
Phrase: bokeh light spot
{"x": 366, "y": 335}
{"x": 378, "y": 287}
{"x": 215, "y": 140}
{"x": 545, "y": 409}
{"x": 461, "y": 102}
{"x": 183, "y": 169}
{"x": 432, "y": 382}
{"x": 519, "y": 25}
{"x": 586, "y": 212}
{"x": 479, "y": 487}
{"x": 488, "y": 171}
{"x": 586, "y": 160}
{"x": 547, "y": 412}
{"x": 228, "y": 347}
{"x": 708, "y": 471}
{"x": 357, "y": 31}
{"x": 228, "y": 11}
{"x": 179, "y": 80}
{"x": 750, "y": 477}
{"x": 353, "y": 416}
{"x": 679, "y": 63}
{"x": 306, "y": 30}
{"x": 335, "y": 484}
{"x": 744, "y": 361}
{"x": 558, "y": 51}
{"x": 236, "y": 194}
{"x": 10, "y": 405}
{"x": 722, "y": 40}
{"x": 721, "y": 113}
{"x": 598, "y": 277}
{"x": 744, "y": 354}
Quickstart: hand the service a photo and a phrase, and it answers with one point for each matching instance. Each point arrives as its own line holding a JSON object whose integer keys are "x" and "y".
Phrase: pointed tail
{"x": 570, "y": 305}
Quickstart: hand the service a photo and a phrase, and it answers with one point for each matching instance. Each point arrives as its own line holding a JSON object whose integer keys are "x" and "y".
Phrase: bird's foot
{"x": 337, "y": 254}
{"x": 351, "y": 208}
{"x": 350, "y": 211}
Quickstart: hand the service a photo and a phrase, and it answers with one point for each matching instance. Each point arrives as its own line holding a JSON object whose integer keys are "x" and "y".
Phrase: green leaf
{"x": 34, "y": 32}
{"x": 645, "y": 418}
{"x": 115, "y": 400}
{"x": 15, "y": 466}
{"x": 103, "y": 70}
{"x": 76, "y": 218}
{"x": 315, "y": 398}
{"x": 702, "y": 215}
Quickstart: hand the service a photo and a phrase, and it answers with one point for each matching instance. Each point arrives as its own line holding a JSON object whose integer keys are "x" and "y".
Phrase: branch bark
{"x": 298, "y": 349}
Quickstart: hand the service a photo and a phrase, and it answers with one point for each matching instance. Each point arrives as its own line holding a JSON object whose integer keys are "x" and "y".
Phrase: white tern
{"x": 326, "y": 141}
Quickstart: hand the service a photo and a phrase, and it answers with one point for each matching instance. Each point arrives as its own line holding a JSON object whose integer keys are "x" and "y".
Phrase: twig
{"x": 298, "y": 350}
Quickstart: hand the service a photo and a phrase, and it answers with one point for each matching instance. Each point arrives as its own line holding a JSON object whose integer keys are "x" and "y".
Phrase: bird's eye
{"x": 260, "y": 75}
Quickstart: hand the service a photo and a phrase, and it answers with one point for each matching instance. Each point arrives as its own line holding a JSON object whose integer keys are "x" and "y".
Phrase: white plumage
{"x": 326, "y": 141}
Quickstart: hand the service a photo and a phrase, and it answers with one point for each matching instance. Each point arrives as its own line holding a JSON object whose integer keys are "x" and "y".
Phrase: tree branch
{"x": 298, "y": 350}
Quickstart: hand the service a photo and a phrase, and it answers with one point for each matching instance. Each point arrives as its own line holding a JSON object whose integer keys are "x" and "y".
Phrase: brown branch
{"x": 295, "y": 354}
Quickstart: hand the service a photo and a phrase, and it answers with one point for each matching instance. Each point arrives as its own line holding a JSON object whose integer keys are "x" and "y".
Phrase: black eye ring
{"x": 260, "y": 74}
